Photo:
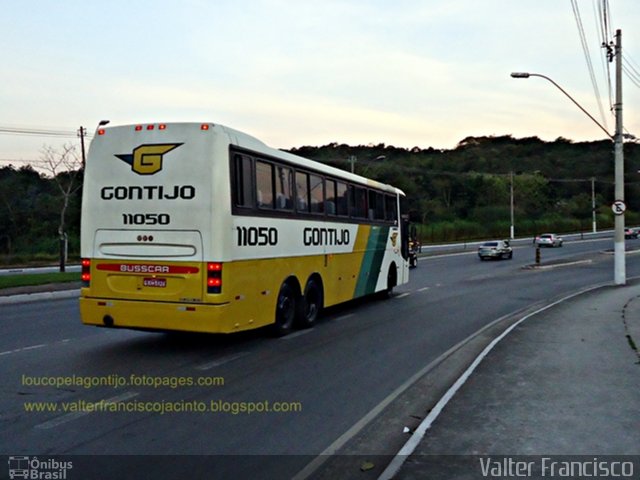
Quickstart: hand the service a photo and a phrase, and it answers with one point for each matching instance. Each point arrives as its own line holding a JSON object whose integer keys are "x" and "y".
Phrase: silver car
{"x": 548, "y": 240}
{"x": 495, "y": 249}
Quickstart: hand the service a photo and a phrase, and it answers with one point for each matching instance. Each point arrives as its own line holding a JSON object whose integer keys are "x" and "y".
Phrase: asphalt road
{"x": 337, "y": 373}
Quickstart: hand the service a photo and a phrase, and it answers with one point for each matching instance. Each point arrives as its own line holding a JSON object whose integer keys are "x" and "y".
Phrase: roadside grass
{"x": 8, "y": 281}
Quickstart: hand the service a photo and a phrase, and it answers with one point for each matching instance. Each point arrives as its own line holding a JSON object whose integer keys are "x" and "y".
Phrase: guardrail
{"x": 469, "y": 246}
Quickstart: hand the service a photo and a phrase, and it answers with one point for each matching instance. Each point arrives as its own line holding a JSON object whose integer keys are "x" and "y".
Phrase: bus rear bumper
{"x": 166, "y": 316}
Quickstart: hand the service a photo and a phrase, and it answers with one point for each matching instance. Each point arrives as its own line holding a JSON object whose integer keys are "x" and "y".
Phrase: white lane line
{"x": 34, "y": 347}
{"x": 96, "y": 406}
{"x": 423, "y": 289}
{"x": 221, "y": 361}
{"x": 297, "y": 334}
{"x": 24, "y": 349}
{"x": 344, "y": 317}
{"x": 418, "y": 434}
{"x": 332, "y": 449}
{"x": 402, "y": 295}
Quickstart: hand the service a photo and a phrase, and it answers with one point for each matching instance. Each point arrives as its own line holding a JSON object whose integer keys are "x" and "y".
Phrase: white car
{"x": 495, "y": 249}
{"x": 548, "y": 240}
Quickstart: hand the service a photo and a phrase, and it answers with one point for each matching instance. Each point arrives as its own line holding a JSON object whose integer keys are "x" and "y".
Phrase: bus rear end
{"x": 146, "y": 246}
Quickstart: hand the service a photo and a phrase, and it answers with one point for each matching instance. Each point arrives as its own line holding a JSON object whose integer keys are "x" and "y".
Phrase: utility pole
{"x": 81, "y": 133}
{"x": 620, "y": 275}
{"x": 593, "y": 204}
{"x": 512, "y": 229}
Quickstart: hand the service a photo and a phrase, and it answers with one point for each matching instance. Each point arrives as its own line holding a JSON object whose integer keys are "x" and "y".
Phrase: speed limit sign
{"x": 618, "y": 207}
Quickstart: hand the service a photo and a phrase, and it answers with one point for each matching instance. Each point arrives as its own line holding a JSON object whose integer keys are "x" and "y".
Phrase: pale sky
{"x": 292, "y": 73}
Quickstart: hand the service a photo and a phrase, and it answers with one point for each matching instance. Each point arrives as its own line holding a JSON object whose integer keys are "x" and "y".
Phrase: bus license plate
{"x": 155, "y": 282}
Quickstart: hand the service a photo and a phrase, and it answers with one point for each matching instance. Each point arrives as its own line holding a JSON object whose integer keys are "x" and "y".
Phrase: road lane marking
{"x": 297, "y": 334}
{"x": 341, "y": 441}
{"x": 418, "y": 434}
{"x": 221, "y": 361}
{"x": 344, "y": 317}
{"x": 423, "y": 289}
{"x": 54, "y": 422}
{"x": 402, "y": 295}
{"x": 23, "y": 349}
{"x": 34, "y": 347}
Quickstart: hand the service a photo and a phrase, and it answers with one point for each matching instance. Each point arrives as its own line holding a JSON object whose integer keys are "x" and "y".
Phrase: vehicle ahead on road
{"x": 199, "y": 227}
{"x": 548, "y": 240}
{"x": 631, "y": 232}
{"x": 497, "y": 249}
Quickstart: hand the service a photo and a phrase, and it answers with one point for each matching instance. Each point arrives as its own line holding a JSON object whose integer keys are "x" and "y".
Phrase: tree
{"x": 64, "y": 167}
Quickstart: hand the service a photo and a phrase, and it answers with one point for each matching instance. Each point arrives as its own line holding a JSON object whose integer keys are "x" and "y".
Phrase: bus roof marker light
{"x": 162, "y": 126}
{"x": 101, "y": 131}
{"x": 138, "y": 128}
{"x": 204, "y": 126}
{"x": 150, "y": 127}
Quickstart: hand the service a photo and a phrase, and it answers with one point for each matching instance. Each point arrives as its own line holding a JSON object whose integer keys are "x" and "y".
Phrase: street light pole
{"x": 619, "y": 265}
{"x": 527, "y": 75}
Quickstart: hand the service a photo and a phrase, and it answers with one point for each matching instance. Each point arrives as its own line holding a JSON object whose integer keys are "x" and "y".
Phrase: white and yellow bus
{"x": 199, "y": 227}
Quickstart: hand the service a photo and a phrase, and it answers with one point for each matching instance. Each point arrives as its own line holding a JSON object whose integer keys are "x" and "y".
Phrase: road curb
{"x": 36, "y": 297}
{"x": 547, "y": 267}
{"x": 418, "y": 434}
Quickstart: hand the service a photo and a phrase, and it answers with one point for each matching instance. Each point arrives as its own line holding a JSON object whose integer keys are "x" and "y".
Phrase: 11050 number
{"x": 146, "y": 218}
{"x": 257, "y": 236}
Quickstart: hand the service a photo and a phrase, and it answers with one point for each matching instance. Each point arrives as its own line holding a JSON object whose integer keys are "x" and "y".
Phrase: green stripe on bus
{"x": 372, "y": 260}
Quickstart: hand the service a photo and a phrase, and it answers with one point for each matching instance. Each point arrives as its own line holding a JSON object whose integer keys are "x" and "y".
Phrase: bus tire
{"x": 310, "y": 304}
{"x": 285, "y": 311}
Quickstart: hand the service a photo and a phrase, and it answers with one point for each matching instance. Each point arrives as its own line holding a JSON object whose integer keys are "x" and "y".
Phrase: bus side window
{"x": 379, "y": 210}
{"x": 342, "y": 196}
{"x": 284, "y": 188}
{"x": 316, "y": 193}
{"x": 358, "y": 202}
{"x": 331, "y": 197}
{"x": 242, "y": 181}
{"x": 302, "y": 192}
{"x": 371, "y": 213}
{"x": 391, "y": 208}
{"x": 264, "y": 184}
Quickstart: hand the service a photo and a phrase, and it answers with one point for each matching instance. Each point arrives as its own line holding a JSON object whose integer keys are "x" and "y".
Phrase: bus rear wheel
{"x": 310, "y": 305}
{"x": 285, "y": 311}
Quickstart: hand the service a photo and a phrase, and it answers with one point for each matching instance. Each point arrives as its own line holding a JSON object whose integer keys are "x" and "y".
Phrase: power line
{"x": 600, "y": 14}
{"x": 631, "y": 71}
{"x": 38, "y": 132}
{"x": 634, "y": 79}
{"x": 20, "y": 160}
{"x": 587, "y": 56}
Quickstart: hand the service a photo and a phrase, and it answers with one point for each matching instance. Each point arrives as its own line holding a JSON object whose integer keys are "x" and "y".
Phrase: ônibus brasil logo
{"x": 147, "y": 159}
{"x": 38, "y": 468}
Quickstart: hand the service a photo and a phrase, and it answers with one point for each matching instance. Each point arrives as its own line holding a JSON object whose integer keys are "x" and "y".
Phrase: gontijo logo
{"x": 147, "y": 159}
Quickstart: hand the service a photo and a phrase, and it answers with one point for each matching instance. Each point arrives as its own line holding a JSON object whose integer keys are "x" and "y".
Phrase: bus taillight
{"x": 214, "y": 277}
{"x": 85, "y": 274}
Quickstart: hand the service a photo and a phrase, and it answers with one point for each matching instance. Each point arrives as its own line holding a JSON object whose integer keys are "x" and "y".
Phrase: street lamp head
{"x": 520, "y": 75}
{"x": 103, "y": 123}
